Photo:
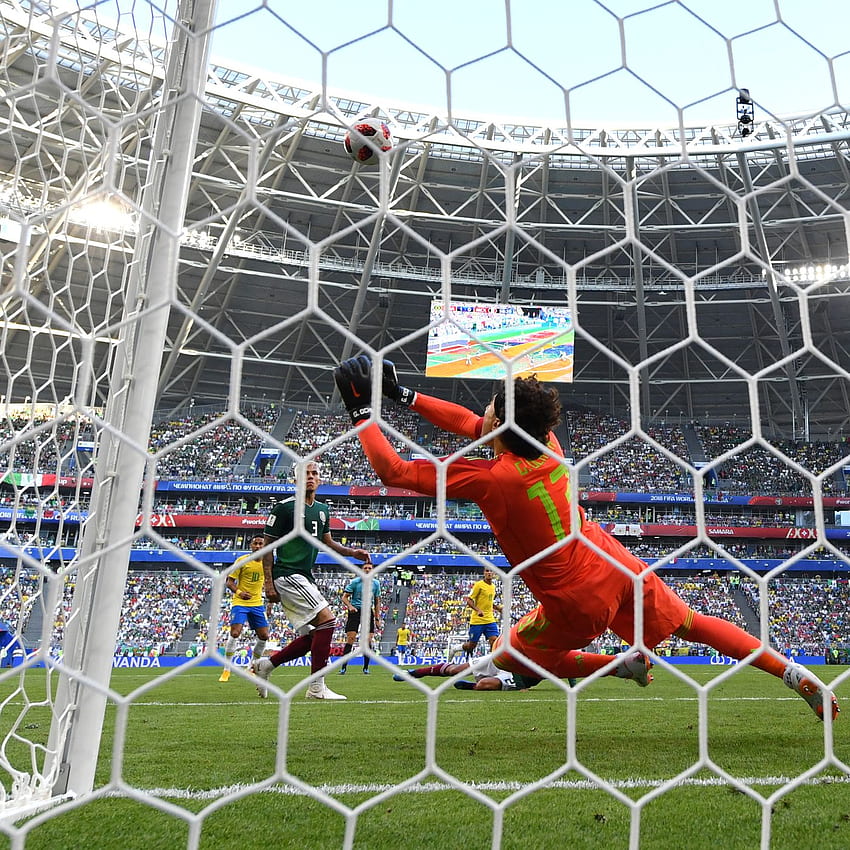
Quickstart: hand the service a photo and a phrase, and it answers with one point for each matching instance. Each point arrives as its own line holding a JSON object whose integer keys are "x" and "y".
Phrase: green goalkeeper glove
{"x": 353, "y": 379}
{"x": 391, "y": 389}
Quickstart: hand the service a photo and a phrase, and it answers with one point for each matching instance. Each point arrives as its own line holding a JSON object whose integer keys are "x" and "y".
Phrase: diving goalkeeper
{"x": 585, "y": 582}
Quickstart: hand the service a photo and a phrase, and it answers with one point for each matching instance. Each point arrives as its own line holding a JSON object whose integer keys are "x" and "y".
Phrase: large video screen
{"x": 475, "y": 339}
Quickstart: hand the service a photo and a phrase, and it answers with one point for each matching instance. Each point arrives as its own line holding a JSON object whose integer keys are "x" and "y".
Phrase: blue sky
{"x": 687, "y": 53}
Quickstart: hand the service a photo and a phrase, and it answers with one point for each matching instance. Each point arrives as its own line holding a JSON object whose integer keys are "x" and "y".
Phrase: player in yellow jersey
{"x": 245, "y": 581}
{"x": 482, "y": 622}
{"x": 402, "y": 640}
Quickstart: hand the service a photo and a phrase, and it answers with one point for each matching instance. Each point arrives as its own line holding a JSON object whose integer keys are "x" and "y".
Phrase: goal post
{"x": 121, "y": 459}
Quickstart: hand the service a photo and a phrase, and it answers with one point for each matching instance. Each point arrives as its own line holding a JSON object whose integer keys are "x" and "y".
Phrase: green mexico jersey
{"x": 299, "y": 554}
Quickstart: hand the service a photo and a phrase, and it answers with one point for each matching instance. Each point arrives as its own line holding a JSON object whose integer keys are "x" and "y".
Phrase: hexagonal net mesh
{"x": 190, "y": 245}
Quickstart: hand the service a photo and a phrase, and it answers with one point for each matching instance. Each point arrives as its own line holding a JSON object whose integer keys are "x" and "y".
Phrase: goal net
{"x": 189, "y": 244}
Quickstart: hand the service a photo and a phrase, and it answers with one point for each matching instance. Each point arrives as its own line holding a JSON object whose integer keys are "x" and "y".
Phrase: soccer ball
{"x": 366, "y": 137}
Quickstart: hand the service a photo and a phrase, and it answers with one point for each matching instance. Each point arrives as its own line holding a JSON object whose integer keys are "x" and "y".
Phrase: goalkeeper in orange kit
{"x": 585, "y": 580}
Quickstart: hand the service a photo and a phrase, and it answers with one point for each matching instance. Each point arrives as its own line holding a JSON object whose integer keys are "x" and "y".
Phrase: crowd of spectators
{"x": 654, "y": 548}
{"x": 207, "y": 445}
{"x": 44, "y": 502}
{"x": 756, "y": 468}
{"x": 483, "y": 544}
{"x": 19, "y": 591}
{"x": 39, "y": 443}
{"x": 666, "y": 515}
{"x": 344, "y": 463}
{"x": 631, "y": 466}
{"x": 360, "y": 508}
{"x": 157, "y": 608}
{"x": 807, "y": 615}
{"x": 53, "y": 504}
{"x": 190, "y": 542}
{"x": 214, "y": 506}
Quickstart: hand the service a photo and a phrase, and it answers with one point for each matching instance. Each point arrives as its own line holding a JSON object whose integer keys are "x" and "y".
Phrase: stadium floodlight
{"x": 745, "y": 112}
{"x": 104, "y": 214}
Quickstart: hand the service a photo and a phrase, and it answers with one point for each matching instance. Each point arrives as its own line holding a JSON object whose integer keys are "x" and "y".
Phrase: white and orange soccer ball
{"x": 366, "y": 137}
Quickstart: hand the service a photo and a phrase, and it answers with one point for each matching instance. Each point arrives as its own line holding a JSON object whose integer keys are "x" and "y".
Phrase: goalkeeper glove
{"x": 353, "y": 379}
{"x": 391, "y": 388}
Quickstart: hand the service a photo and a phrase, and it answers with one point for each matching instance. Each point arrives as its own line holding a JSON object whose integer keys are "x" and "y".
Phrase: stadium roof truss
{"x": 700, "y": 255}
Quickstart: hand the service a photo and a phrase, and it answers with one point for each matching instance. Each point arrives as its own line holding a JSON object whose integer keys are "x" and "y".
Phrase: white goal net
{"x": 188, "y": 248}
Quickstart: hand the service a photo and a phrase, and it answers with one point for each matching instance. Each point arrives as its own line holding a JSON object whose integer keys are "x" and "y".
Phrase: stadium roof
{"x": 704, "y": 256}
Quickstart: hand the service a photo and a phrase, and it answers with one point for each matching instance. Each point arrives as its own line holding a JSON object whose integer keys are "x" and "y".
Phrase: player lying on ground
{"x": 506, "y": 672}
{"x": 584, "y": 582}
{"x": 488, "y": 677}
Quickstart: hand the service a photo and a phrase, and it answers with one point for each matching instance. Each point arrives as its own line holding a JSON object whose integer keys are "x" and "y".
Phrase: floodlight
{"x": 103, "y": 214}
{"x": 745, "y": 112}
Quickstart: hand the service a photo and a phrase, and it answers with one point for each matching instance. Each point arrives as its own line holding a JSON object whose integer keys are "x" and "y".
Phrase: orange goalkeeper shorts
{"x": 596, "y": 597}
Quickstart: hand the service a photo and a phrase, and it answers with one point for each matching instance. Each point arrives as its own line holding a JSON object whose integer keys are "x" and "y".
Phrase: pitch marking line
{"x": 432, "y": 787}
{"x": 444, "y": 699}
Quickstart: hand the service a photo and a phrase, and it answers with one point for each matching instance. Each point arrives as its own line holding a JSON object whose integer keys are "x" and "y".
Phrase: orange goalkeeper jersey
{"x": 527, "y": 503}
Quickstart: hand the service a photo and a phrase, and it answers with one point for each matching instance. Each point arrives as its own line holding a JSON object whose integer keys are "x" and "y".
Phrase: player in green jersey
{"x": 289, "y": 580}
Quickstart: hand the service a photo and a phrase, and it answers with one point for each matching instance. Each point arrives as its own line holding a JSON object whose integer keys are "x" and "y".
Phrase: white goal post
{"x": 121, "y": 462}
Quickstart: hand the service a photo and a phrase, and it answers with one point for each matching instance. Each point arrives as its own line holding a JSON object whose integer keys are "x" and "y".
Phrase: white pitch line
{"x": 433, "y": 787}
{"x": 444, "y": 700}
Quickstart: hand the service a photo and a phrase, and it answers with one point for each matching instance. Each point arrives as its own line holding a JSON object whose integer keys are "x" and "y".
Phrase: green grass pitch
{"x": 191, "y": 741}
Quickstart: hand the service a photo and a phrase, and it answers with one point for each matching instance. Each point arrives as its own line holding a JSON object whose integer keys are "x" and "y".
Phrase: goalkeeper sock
{"x": 729, "y": 639}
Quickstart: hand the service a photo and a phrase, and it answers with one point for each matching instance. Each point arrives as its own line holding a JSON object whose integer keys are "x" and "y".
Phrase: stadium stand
{"x": 162, "y": 604}
{"x": 754, "y": 469}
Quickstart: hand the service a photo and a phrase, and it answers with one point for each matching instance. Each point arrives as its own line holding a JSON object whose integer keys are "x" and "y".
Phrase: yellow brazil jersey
{"x": 248, "y": 572}
{"x": 483, "y": 594}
